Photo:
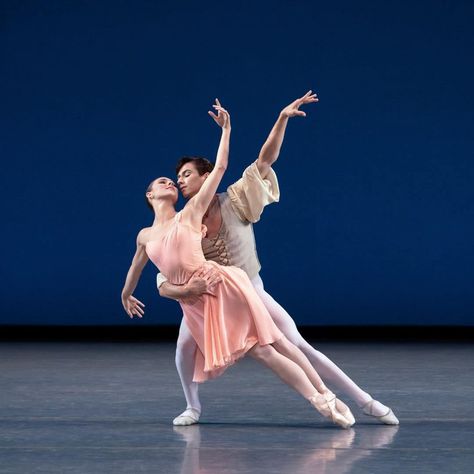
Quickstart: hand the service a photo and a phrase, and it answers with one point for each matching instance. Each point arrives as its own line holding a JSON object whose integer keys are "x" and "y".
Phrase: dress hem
{"x": 217, "y": 370}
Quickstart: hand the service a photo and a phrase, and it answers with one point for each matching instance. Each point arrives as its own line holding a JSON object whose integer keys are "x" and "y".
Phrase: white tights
{"x": 328, "y": 370}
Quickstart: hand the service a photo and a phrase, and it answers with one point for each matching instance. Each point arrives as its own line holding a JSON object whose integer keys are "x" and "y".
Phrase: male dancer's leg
{"x": 185, "y": 357}
{"x": 327, "y": 369}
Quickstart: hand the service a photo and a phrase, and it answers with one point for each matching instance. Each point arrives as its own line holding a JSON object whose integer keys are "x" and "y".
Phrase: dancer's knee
{"x": 262, "y": 353}
{"x": 304, "y": 346}
{"x": 284, "y": 345}
{"x": 185, "y": 347}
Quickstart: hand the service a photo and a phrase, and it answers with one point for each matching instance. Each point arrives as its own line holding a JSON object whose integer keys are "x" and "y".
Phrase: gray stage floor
{"x": 107, "y": 408}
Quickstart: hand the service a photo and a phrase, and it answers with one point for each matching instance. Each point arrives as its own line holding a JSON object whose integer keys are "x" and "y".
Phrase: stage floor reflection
{"x": 107, "y": 407}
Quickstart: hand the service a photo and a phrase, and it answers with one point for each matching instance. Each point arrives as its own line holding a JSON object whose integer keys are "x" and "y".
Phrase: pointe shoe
{"x": 347, "y": 414}
{"x": 326, "y": 405}
{"x": 190, "y": 416}
{"x": 389, "y": 418}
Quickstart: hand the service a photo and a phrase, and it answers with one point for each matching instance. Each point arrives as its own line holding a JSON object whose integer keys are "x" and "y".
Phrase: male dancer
{"x": 230, "y": 241}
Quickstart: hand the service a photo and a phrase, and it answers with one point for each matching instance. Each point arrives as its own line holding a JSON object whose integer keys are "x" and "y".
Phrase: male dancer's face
{"x": 189, "y": 180}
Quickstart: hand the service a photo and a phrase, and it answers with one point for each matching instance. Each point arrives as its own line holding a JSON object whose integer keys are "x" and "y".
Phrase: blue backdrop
{"x": 375, "y": 223}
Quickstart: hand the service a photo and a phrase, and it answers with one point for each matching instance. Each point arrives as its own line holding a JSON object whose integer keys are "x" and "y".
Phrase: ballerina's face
{"x": 163, "y": 188}
{"x": 189, "y": 180}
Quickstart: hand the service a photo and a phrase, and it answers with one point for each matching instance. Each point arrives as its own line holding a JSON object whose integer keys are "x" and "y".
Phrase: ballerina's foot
{"x": 380, "y": 412}
{"x": 326, "y": 405}
{"x": 345, "y": 411}
{"x": 190, "y": 416}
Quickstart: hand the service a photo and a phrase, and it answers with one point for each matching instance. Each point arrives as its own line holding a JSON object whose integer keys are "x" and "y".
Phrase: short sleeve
{"x": 251, "y": 193}
{"x": 160, "y": 279}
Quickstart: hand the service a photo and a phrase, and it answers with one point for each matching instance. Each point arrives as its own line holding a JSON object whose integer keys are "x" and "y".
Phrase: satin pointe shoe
{"x": 326, "y": 405}
{"x": 345, "y": 411}
{"x": 389, "y": 418}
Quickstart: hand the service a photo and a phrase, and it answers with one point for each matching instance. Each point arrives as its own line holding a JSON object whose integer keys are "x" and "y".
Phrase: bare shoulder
{"x": 143, "y": 236}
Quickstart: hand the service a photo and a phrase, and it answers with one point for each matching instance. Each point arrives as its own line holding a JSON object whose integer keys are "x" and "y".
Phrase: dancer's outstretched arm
{"x": 130, "y": 303}
{"x": 271, "y": 148}
{"x": 198, "y": 204}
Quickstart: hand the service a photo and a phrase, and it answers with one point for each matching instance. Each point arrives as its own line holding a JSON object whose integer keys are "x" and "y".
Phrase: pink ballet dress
{"x": 224, "y": 326}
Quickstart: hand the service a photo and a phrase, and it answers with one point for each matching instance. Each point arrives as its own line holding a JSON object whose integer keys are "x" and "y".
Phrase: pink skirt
{"x": 229, "y": 324}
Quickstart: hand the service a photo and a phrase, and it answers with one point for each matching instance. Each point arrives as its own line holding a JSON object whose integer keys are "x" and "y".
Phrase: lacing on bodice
{"x": 215, "y": 249}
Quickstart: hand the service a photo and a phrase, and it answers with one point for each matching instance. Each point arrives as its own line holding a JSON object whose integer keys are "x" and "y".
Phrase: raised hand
{"x": 133, "y": 306}
{"x": 292, "y": 110}
{"x": 222, "y": 118}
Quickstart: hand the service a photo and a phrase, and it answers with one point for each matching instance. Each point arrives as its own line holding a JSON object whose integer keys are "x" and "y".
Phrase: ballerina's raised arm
{"x": 195, "y": 208}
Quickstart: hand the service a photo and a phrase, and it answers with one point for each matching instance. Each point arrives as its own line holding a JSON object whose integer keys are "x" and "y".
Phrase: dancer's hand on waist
{"x": 204, "y": 281}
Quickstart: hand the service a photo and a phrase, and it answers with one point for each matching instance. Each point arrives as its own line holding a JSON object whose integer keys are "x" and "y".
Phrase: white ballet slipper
{"x": 190, "y": 416}
{"x": 389, "y": 418}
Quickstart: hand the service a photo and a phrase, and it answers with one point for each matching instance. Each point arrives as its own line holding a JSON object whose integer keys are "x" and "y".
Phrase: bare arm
{"x": 130, "y": 303}
{"x": 173, "y": 292}
{"x": 201, "y": 282}
{"x": 271, "y": 148}
{"x": 197, "y": 206}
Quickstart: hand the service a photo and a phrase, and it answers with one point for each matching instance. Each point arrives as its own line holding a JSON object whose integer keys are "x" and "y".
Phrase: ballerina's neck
{"x": 163, "y": 217}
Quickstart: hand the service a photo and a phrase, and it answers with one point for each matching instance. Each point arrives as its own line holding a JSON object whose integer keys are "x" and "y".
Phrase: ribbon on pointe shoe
{"x": 326, "y": 405}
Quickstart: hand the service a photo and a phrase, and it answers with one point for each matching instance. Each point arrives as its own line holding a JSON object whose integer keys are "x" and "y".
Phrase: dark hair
{"x": 202, "y": 164}
{"x": 148, "y": 203}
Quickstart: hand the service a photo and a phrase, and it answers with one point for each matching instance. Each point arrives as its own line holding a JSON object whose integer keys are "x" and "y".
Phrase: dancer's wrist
{"x": 125, "y": 296}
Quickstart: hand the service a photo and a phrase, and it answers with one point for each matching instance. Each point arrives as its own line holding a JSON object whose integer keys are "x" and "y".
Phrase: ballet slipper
{"x": 190, "y": 416}
{"x": 389, "y": 418}
{"x": 326, "y": 405}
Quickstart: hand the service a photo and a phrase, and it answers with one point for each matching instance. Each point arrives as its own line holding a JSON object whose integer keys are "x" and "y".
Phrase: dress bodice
{"x": 176, "y": 251}
{"x": 225, "y": 324}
